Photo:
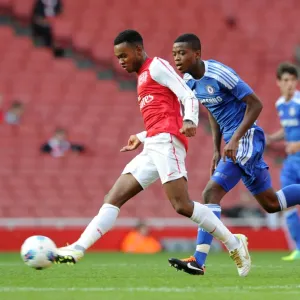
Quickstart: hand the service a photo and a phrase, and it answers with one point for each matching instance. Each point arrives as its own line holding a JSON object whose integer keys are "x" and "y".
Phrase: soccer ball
{"x": 38, "y": 252}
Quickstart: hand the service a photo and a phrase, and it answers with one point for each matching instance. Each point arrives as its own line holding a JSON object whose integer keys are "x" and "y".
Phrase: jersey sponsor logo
{"x": 210, "y": 89}
{"x": 215, "y": 100}
{"x": 145, "y": 100}
{"x": 143, "y": 78}
{"x": 290, "y": 122}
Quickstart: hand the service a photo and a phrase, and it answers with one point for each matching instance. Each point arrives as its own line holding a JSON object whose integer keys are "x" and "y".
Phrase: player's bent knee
{"x": 272, "y": 207}
{"x": 114, "y": 199}
{"x": 184, "y": 209}
{"x": 269, "y": 202}
{"x": 211, "y": 195}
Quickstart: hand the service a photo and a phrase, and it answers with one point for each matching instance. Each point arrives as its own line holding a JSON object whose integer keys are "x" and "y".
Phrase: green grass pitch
{"x": 124, "y": 276}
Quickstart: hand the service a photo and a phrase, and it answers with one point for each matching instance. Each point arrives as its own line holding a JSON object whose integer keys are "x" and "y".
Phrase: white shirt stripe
{"x": 232, "y": 79}
{"x": 218, "y": 78}
{"x": 224, "y": 75}
{"x": 245, "y": 149}
{"x": 296, "y": 98}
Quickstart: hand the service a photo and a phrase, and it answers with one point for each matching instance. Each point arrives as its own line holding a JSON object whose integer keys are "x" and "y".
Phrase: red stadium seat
{"x": 22, "y": 10}
{"x": 62, "y": 31}
{"x": 5, "y": 7}
{"x": 100, "y": 115}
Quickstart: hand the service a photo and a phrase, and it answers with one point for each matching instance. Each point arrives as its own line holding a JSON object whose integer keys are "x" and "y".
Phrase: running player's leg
{"x": 272, "y": 201}
{"x": 258, "y": 179}
{"x": 225, "y": 177}
{"x": 177, "y": 193}
{"x": 170, "y": 163}
{"x": 137, "y": 175}
{"x": 262, "y": 190}
{"x": 259, "y": 184}
{"x": 290, "y": 175}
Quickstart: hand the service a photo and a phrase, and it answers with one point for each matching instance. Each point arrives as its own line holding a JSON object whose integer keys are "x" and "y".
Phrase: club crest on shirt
{"x": 292, "y": 111}
{"x": 210, "y": 89}
{"x": 143, "y": 78}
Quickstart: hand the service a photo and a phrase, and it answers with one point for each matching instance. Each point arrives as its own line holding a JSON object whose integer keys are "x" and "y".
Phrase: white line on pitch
{"x": 242, "y": 289}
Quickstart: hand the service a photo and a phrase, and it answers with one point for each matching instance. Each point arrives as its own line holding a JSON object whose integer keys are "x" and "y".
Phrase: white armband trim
{"x": 142, "y": 136}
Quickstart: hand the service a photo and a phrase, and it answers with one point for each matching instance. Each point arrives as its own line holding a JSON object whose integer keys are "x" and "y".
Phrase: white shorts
{"x": 163, "y": 157}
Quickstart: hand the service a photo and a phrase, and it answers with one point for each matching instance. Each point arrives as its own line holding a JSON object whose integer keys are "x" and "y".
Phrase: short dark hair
{"x": 287, "y": 67}
{"x": 191, "y": 39}
{"x": 129, "y": 36}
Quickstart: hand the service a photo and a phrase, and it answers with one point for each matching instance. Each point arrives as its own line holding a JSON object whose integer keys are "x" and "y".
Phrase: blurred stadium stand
{"x": 101, "y": 115}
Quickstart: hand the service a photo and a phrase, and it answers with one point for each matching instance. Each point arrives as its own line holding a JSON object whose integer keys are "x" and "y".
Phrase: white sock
{"x": 102, "y": 223}
{"x": 207, "y": 220}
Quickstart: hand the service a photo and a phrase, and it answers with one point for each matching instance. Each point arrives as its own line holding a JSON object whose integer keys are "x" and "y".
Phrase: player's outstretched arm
{"x": 134, "y": 141}
{"x": 163, "y": 73}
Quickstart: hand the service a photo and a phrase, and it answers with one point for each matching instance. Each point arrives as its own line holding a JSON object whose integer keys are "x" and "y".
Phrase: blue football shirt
{"x": 221, "y": 90}
{"x": 289, "y": 114}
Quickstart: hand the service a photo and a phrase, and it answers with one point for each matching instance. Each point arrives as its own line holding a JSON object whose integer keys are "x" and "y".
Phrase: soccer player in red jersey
{"x": 165, "y": 144}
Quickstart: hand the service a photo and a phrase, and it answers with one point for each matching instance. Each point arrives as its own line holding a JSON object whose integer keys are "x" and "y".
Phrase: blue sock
{"x": 293, "y": 224}
{"x": 204, "y": 239}
{"x": 289, "y": 196}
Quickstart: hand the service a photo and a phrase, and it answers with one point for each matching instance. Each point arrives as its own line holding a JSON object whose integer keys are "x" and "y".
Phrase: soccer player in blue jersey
{"x": 233, "y": 109}
{"x": 288, "y": 108}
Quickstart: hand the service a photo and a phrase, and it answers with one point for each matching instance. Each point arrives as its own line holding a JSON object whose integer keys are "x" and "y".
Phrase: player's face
{"x": 128, "y": 56}
{"x": 184, "y": 57}
{"x": 287, "y": 84}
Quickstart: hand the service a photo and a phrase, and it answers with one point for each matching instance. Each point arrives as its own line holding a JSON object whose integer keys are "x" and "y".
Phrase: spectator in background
{"x": 59, "y": 145}
{"x": 41, "y": 27}
{"x": 139, "y": 241}
{"x": 14, "y": 114}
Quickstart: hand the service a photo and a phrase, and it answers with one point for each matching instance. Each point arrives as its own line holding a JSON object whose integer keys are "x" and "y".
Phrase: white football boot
{"x": 241, "y": 256}
{"x": 68, "y": 255}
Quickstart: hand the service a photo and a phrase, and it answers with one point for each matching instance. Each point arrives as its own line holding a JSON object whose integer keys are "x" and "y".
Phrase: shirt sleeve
{"x": 229, "y": 80}
{"x": 163, "y": 73}
{"x": 142, "y": 136}
{"x": 241, "y": 89}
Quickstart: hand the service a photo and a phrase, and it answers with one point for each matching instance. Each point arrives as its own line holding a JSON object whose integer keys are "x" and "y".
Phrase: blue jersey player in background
{"x": 233, "y": 109}
{"x": 288, "y": 108}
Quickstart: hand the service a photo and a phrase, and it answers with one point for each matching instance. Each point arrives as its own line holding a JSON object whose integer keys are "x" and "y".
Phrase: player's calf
{"x": 213, "y": 193}
{"x": 269, "y": 201}
{"x": 183, "y": 208}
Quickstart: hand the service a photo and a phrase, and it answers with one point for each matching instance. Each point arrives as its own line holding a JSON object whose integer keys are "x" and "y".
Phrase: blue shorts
{"x": 250, "y": 165}
{"x": 290, "y": 173}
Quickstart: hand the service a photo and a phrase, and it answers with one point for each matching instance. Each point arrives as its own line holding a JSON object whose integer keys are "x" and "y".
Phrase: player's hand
{"x": 292, "y": 147}
{"x": 132, "y": 144}
{"x": 230, "y": 150}
{"x": 215, "y": 160}
{"x": 188, "y": 128}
